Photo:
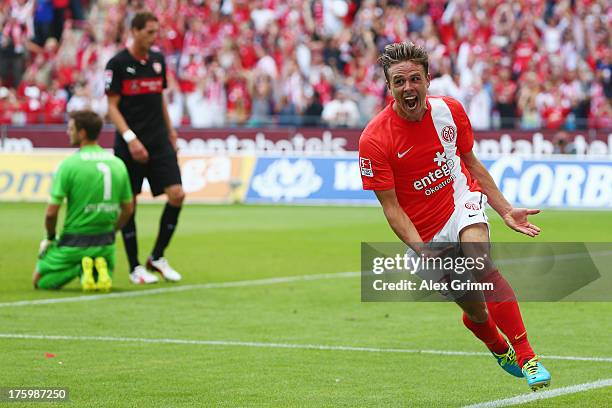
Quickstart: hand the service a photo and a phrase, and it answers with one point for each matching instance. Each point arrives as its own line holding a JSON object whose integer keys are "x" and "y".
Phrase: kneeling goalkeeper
{"x": 97, "y": 189}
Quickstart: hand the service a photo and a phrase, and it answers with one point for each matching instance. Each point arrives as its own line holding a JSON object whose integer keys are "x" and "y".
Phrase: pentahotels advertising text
{"x": 453, "y": 271}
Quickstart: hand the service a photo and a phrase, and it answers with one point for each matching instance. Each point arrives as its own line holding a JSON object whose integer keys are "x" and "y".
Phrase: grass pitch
{"x": 256, "y": 345}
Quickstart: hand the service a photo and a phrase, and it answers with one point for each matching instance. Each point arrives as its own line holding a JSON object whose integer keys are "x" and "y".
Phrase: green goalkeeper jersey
{"x": 95, "y": 183}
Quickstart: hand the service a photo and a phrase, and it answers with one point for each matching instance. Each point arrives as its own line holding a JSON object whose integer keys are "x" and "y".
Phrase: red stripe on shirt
{"x": 141, "y": 86}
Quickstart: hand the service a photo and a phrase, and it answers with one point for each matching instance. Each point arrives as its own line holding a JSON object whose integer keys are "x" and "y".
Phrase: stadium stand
{"x": 525, "y": 65}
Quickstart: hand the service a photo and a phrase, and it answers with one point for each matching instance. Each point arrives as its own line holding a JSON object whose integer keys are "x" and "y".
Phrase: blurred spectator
{"x": 312, "y": 113}
{"x": 524, "y": 50}
{"x": 174, "y": 101}
{"x": 43, "y": 21}
{"x": 13, "y": 43}
{"x": 443, "y": 84}
{"x": 56, "y": 103}
{"x": 238, "y": 98}
{"x": 10, "y": 109}
{"x": 207, "y": 105}
{"x": 262, "y": 105}
{"x": 552, "y": 32}
{"x": 59, "y": 15}
{"x": 479, "y": 106}
{"x": 527, "y": 102}
{"x": 505, "y": 92}
{"x": 561, "y": 143}
{"x": 341, "y": 111}
{"x": 333, "y": 12}
{"x": 60, "y": 10}
{"x": 85, "y": 98}
{"x": 261, "y": 16}
{"x": 287, "y": 112}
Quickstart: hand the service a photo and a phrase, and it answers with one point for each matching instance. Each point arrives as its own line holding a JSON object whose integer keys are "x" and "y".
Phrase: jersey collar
{"x": 91, "y": 147}
{"x": 138, "y": 59}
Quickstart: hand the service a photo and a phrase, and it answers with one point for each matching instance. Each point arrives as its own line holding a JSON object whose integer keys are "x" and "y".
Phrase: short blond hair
{"x": 400, "y": 52}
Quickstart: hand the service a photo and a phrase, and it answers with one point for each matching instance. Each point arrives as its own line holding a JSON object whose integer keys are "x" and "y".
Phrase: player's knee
{"x": 487, "y": 269}
{"x": 46, "y": 284}
{"x": 477, "y": 312}
{"x": 176, "y": 197}
{"x": 475, "y": 233}
{"x": 35, "y": 279}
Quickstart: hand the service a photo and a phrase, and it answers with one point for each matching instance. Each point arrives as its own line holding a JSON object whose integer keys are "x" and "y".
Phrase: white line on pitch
{"x": 183, "y": 288}
{"x": 277, "y": 345}
{"x": 540, "y": 395}
{"x": 214, "y": 285}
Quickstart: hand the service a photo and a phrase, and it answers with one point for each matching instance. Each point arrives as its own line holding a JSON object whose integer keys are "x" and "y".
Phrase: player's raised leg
{"x": 477, "y": 319}
{"x": 501, "y": 302}
{"x": 167, "y": 226}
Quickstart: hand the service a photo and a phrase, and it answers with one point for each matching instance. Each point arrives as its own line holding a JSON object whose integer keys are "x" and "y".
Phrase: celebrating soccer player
{"x": 97, "y": 188}
{"x": 417, "y": 156}
{"x": 145, "y": 140}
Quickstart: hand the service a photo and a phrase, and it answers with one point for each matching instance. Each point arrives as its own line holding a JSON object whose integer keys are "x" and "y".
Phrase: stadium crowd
{"x": 526, "y": 64}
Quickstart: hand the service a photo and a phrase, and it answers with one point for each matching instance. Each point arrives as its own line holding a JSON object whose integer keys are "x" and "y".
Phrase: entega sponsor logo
{"x": 440, "y": 186}
{"x": 445, "y": 170}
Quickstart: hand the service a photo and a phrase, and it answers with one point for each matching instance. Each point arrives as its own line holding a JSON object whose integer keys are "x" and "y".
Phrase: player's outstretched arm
{"x": 398, "y": 220}
{"x": 515, "y": 218}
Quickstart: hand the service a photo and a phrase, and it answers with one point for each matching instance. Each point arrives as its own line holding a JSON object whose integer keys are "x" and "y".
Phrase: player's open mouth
{"x": 411, "y": 101}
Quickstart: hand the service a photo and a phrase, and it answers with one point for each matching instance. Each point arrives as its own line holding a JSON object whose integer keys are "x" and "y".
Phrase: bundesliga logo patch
{"x": 366, "y": 167}
{"x": 108, "y": 77}
{"x": 449, "y": 134}
{"x": 157, "y": 67}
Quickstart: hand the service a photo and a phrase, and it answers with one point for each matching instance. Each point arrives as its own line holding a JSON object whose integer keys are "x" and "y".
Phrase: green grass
{"x": 232, "y": 243}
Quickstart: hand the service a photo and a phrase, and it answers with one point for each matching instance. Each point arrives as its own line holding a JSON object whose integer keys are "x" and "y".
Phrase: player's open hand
{"x": 516, "y": 219}
{"x": 138, "y": 151}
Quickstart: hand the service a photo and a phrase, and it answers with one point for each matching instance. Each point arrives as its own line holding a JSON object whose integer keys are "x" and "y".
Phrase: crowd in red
{"x": 524, "y": 64}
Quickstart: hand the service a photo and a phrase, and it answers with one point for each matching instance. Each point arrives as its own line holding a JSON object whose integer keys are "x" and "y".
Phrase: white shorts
{"x": 469, "y": 210}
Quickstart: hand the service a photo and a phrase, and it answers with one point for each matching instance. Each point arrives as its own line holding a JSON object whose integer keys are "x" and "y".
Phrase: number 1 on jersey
{"x": 106, "y": 171}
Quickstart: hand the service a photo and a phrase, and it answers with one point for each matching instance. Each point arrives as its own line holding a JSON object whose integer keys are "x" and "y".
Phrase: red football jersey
{"x": 420, "y": 160}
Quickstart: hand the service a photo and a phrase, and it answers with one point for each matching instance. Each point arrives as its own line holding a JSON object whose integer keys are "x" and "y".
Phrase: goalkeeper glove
{"x": 44, "y": 246}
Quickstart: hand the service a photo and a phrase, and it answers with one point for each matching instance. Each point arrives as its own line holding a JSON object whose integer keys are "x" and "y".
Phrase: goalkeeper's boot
{"x": 105, "y": 283}
{"x": 163, "y": 267}
{"x": 508, "y": 362}
{"x": 88, "y": 282}
{"x": 537, "y": 376}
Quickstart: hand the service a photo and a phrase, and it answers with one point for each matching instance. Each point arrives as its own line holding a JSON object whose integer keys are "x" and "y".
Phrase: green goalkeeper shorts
{"x": 66, "y": 259}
